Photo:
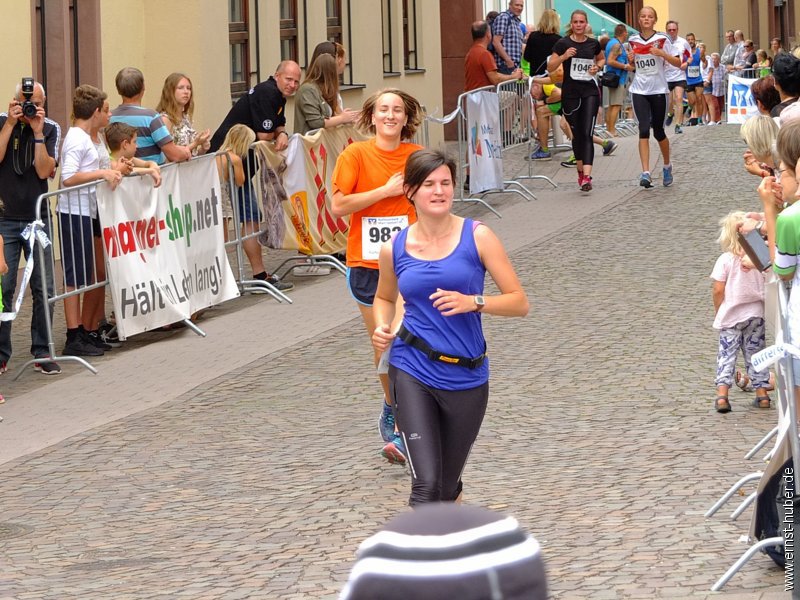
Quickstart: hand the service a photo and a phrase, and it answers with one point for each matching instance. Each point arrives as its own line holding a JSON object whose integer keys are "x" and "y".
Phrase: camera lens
{"x": 29, "y": 109}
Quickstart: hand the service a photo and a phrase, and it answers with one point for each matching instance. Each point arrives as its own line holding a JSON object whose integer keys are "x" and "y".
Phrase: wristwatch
{"x": 479, "y": 303}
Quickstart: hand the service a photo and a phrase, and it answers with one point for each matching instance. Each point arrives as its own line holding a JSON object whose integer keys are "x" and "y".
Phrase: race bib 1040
{"x": 646, "y": 64}
{"x": 377, "y": 230}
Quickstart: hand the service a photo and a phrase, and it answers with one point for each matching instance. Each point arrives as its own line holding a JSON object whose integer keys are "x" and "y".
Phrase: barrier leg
{"x": 734, "y": 488}
{"x": 745, "y": 503}
{"x": 743, "y": 559}
{"x": 762, "y": 443}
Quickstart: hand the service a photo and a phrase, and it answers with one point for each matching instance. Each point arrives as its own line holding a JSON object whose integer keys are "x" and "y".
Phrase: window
{"x": 333, "y": 10}
{"x": 410, "y": 35}
{"x": 386, "y": 21}
{"x": 288, "y": 27}
{"x": 238, "y": 37}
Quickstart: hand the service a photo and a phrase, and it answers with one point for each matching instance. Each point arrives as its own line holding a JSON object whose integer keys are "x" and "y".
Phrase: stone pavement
{"x": 245, "y": 465}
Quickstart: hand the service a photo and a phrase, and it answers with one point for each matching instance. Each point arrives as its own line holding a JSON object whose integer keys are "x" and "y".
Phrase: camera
{"x": 28, "y": 108}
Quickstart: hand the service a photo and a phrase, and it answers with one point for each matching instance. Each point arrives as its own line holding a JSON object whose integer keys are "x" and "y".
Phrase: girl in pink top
{"x": 738, "y": 293}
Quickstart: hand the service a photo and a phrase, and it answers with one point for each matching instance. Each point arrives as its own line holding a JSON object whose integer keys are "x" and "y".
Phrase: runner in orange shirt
{"x": 368, "y": 186}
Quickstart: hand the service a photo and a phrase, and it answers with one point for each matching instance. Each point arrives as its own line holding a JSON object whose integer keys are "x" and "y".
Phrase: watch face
{"x": 479, "y": 300}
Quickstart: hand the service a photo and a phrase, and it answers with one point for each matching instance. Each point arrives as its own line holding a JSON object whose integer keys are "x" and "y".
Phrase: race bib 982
{"x": 375, "y": 231}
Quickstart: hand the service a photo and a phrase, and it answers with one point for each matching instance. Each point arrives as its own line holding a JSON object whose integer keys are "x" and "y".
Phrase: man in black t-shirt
{"x": 262, "y": 109}
{"x": 28, "y": 158}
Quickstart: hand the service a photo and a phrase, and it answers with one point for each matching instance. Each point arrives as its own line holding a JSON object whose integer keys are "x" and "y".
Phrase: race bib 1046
{"x": 377, "y": 230}
{"x": 579, "y": 69}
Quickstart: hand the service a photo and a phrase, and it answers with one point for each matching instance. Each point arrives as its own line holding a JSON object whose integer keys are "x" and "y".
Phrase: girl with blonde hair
{"x": 737, "y": 290}
{"x": 230, "y": 162}
{"x": 177, "y": 109}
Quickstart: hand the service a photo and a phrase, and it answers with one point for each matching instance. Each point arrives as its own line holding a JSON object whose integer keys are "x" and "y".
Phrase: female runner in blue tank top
{"x": 438, "y": 373}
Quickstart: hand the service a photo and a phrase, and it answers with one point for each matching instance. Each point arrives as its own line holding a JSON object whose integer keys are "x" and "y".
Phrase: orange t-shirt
{"x": 363, "y": 167}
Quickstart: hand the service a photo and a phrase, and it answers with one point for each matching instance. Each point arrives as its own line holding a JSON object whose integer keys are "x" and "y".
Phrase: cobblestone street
{"x": 254, "y": 472}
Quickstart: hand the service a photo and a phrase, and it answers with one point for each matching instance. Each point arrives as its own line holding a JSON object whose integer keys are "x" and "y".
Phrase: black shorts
{"x": 362, "y": 283}
{"x": 673, "y": 84}
{"x": 695, "y": 87}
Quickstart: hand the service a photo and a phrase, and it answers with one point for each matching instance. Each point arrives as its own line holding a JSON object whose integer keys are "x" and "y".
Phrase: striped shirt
{"x": 151, "y": 133}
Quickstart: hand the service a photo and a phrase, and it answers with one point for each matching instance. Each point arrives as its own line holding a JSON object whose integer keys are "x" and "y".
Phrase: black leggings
{"x": 650, "y": 111}
{"x": 438, "y": 428}
{"x": 581, "y": 114}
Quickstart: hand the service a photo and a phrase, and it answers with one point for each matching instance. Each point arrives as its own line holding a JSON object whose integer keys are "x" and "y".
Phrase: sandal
{"x": 762, "y": 402}
{"x": 722, "y": 405}
{"x": 743, "y": 381}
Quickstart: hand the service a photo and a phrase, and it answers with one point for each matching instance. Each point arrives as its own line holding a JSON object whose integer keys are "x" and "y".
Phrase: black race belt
{"x": 435, "y": 355}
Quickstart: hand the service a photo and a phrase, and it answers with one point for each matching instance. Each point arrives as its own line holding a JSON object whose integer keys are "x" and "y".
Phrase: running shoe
{"x": 586, "y": 186}
{"x": 47, "y": 368}
{"x": 608, "y": 147}
{"x": 395, "y": 451}
{"x": 570, "y": 162}
{"x": 93, "y": 337}
{"x": 668, "y": 122}
{"x": 540, "y": 154}
{"x": 667, "y": 180}
{"x": 281, "y": 286}
{"x": 386, "y": 422}
{"x": 645, "y": 181}
{"x": 678, "y": 129}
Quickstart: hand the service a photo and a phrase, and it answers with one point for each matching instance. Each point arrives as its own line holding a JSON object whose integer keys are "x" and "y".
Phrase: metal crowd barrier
{"x": 522, "y": 118}
{"x": 518, "y": 134}
{"x": 257, "y": 176}
{"x": 61, "y": 228}
{"x": 787, "y": 442}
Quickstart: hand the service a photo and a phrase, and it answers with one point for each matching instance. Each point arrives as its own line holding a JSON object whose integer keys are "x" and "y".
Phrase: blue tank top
{"x": 694, "y": 74}
{"x": 462, "y": 335}
{"x": 622, "y": 58}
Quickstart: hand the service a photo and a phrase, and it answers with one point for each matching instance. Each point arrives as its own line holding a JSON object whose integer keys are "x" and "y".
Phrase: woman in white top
{"x": 650, "y": 50}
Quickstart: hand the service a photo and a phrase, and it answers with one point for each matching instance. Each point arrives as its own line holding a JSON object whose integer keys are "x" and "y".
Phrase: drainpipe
{"x": 720, "y": 26}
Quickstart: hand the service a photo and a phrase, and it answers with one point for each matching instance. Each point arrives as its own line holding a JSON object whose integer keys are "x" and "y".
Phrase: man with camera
{"x": 29, "y": 144}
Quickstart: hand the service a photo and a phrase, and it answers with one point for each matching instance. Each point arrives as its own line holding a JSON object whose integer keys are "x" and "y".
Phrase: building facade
{"x": 224, "y": 47}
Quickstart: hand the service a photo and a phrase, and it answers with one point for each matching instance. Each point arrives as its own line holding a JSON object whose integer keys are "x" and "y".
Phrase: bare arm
{"x": 110, "y": 175}
{"x": 496, "y": 77}
{"x": 717, "y": 294}
{"x": 385, "y": 302}
{"x": 175, "y": 153}
{"x": 343, "y": 205}
{"x": 557, "y": 59}
{"x": 511, "y": 302}
{"x": 612, "y": 59}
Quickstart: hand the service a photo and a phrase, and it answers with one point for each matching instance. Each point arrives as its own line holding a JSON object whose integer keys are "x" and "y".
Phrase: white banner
{"x": 741, "y": 104}
{"x": 165, "y": 251}
{"x": 485, "y": 142}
